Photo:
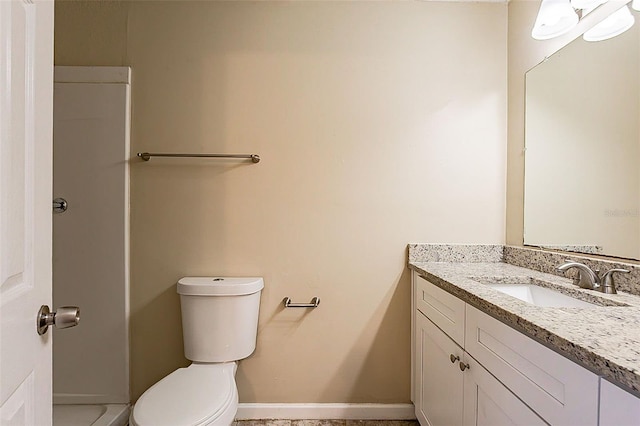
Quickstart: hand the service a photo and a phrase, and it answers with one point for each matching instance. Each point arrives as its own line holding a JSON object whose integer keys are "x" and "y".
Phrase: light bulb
{"x": 615, "y": 24}
{"x": 587, "y": 4}
{"x": 555, "y": 17}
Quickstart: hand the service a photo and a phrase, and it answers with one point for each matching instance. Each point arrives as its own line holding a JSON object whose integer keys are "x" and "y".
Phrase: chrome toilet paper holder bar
{"x": 289, "y": 304}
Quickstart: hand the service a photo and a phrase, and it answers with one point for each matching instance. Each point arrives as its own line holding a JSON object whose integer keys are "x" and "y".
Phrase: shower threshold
{"x": 90, "y": 415}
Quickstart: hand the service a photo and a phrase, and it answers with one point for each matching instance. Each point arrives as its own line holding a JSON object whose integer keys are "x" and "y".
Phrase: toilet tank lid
{"x": 219, "y": 286}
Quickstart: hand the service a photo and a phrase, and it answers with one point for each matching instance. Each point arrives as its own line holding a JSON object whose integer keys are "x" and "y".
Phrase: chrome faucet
{"x": 586, "y": 277}
{"x": 589, "y": 279}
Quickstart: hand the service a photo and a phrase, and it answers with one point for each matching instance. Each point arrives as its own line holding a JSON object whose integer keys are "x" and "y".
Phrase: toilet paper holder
{"x": 289, "y": 304}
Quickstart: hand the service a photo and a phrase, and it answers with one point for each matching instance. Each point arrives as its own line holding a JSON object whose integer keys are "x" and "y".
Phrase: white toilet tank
{"x": 219, "y": 317}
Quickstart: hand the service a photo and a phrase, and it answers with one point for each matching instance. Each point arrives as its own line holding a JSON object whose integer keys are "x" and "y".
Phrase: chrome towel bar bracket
{"x": 289, "y": 304}
{"x": 146, "y": 156}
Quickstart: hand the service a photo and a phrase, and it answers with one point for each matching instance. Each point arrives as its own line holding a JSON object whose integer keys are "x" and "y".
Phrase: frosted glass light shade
{"x": 615, "y": 24}
{"x": 587, "y": 4}
{"x": 555, "y": 17}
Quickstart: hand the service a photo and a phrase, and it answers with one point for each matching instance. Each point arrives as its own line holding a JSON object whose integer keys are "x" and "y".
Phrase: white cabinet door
{"x": 438, "y": 393}
{"x": 488, "y": 403}
{"x": 618, "y": 407}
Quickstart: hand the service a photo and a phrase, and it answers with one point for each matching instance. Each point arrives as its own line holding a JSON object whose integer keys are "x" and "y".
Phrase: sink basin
{"x": 541, "y": 296}
{"x": 545, "y": 293}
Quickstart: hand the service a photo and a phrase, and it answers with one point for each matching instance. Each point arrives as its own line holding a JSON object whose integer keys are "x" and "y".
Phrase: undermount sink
{"x": 545, "y": 294}
{"x": 541, "y": 296}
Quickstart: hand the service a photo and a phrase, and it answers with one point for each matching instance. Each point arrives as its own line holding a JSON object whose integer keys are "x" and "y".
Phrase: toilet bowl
{"x": 220, "y": 323}
{"x": 201, "y": 394}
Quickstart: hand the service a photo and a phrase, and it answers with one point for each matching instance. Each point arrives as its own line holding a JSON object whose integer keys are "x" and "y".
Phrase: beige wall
{"x": 523, "y": 54}
{"x": 378, "y": 124}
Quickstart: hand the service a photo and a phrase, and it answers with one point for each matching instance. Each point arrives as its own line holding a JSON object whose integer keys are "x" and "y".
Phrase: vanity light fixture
{"x": 615, "y": 24}
{"x": 587, "y": 4}
{"x": 555, "y": 17}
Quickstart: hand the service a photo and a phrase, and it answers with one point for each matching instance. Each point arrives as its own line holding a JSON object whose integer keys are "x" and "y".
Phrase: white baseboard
{"x": 326, "y": 411}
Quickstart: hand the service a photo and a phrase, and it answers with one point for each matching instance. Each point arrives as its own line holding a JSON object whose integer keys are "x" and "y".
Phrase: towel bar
{"x": 146, "y": 156}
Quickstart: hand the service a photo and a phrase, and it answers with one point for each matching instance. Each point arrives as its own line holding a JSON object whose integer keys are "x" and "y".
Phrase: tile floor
{"x": 325, "y": 423}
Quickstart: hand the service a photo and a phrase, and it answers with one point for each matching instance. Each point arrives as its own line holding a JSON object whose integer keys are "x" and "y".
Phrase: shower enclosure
{"x": 91, "y": 244}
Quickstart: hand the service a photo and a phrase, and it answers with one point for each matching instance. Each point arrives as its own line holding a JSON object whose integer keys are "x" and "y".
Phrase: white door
{"x": 26, "y": 105}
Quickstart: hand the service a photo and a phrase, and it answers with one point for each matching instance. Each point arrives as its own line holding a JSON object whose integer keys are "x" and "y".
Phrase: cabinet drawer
{"x": 445, "y": 310}
{"x": 559, "y": 390}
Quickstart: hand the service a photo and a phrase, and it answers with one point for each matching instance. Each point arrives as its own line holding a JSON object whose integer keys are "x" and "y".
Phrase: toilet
{"x": 219, "y": 325}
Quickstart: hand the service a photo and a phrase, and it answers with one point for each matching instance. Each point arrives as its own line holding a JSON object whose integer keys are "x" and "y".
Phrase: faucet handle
{"x": 607, "y": 280}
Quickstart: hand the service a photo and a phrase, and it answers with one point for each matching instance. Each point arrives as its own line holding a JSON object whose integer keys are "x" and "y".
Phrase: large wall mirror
{"x": 582, "y": 138}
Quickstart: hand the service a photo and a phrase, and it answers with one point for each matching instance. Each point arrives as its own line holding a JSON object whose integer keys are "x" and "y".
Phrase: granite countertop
{"x": 605, "y": 339}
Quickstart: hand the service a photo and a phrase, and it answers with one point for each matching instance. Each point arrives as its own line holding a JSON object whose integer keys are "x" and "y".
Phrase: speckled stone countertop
{"x": 605, "y": 339}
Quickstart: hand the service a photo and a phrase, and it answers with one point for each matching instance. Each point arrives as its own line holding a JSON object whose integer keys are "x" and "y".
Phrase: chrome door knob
{"x": 64, "y": 317}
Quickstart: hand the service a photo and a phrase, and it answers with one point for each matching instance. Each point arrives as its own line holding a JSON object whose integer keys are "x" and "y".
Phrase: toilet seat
{"x": 201, "y": 394}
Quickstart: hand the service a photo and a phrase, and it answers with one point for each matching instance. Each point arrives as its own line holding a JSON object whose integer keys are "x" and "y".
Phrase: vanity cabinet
{"x": 447, "y": 395}
{"x": 508, "y": 378}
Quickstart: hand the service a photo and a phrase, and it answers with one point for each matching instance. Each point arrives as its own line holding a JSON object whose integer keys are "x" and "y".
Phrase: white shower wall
{"x": 91, "y": 239}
